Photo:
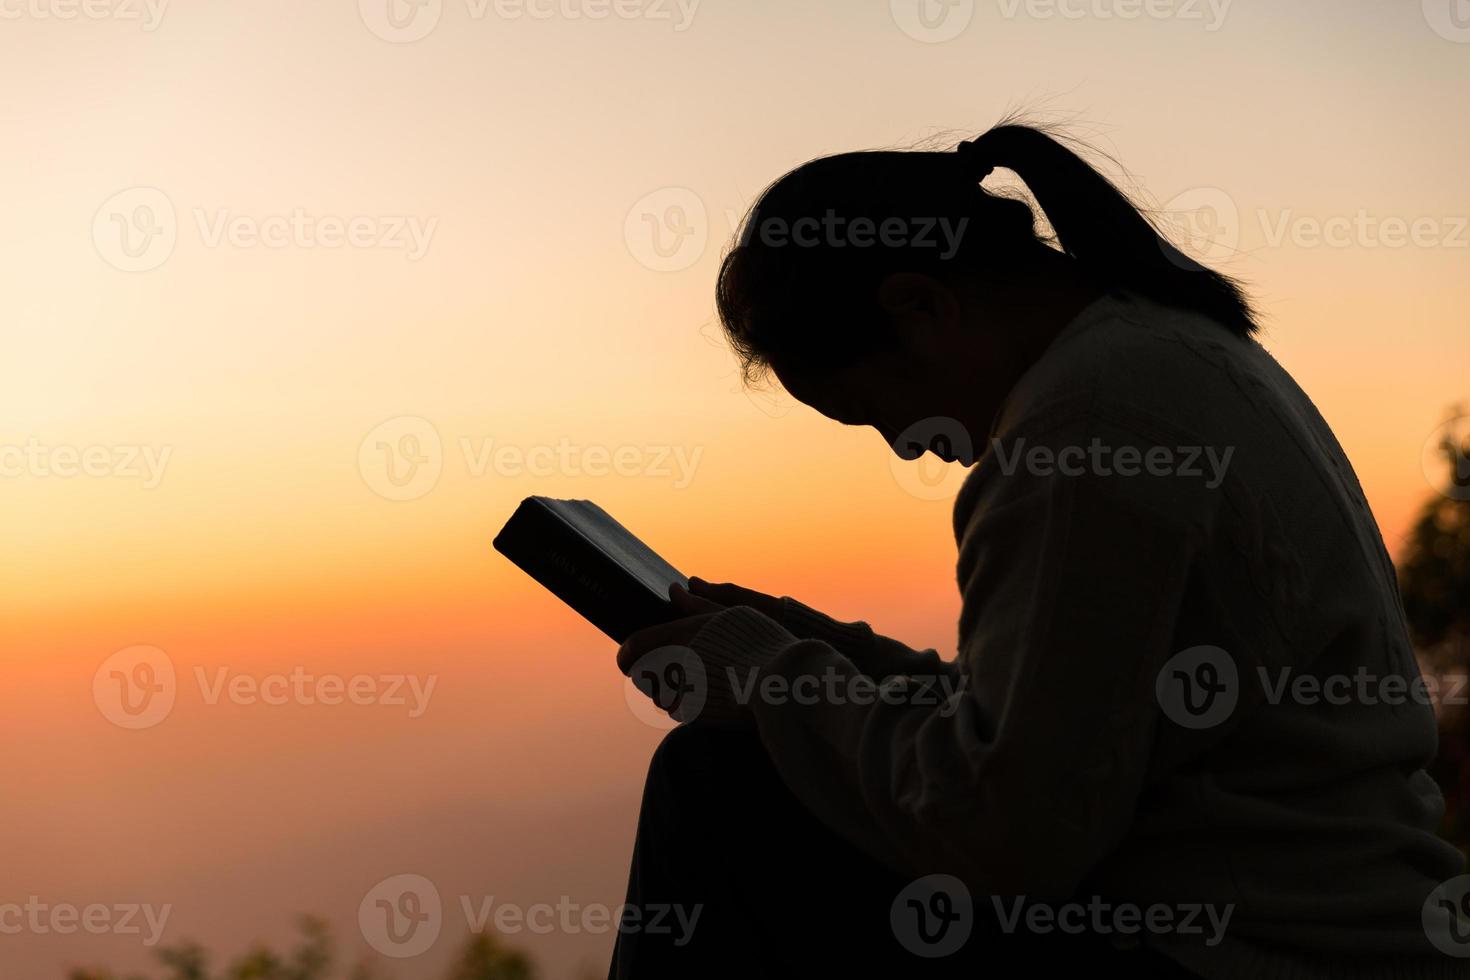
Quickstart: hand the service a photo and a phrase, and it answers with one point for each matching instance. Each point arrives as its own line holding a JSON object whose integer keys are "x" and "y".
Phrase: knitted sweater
{"x": 1184, "y": 676}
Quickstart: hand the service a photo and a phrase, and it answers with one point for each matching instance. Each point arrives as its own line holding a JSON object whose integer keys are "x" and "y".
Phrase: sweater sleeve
{"x": 1020, "y": 781}
{"x": 876, "y": 655}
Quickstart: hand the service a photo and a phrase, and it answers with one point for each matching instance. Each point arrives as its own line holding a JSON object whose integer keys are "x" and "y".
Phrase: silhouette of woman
{"x": 1185, "y": 734}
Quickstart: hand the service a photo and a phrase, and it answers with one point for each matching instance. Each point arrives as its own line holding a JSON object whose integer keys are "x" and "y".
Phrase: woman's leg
{"x": 720, "y": 833}
{"x": 733, "y": 877}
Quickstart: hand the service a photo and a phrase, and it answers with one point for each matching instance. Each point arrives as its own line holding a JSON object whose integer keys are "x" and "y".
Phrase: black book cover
{"x": 590, "y": 562}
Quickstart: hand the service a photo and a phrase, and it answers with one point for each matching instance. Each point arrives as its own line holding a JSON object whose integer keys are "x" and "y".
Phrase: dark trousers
{"x": 733, "y": 877}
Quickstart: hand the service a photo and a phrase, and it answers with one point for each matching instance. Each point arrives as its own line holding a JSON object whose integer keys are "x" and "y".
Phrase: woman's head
{"x": 886, "y": 287}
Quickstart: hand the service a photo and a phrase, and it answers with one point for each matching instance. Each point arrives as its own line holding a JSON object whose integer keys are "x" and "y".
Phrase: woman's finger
{"x": 729, "y": 594}
{"x": 688, "y": 604}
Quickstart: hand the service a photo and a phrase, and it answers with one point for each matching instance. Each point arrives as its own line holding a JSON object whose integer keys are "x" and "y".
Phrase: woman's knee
{"x": 708, "y": 763}
{"x": 680, "y": 749}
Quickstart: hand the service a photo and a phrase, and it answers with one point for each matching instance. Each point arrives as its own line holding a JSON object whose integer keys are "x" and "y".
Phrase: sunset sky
{"x": 253, "y": 248}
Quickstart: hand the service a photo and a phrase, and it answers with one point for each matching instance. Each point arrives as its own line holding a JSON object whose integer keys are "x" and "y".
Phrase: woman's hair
{"x": 800, "y": 285}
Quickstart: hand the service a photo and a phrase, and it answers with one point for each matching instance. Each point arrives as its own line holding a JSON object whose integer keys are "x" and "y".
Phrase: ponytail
{"x": 813, "y": 301}
{"x": 1097, "y": 225}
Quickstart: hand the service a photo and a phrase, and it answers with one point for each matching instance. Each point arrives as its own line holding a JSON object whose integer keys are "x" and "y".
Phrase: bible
{"x": 591, "y": 562}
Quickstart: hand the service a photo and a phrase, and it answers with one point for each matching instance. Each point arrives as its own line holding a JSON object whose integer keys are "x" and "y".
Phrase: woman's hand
{"x": 661, "y": 661}
{"x": 695, "y": 605}
{"x": 676, "y": 632}
{"x": 726, "y": 594}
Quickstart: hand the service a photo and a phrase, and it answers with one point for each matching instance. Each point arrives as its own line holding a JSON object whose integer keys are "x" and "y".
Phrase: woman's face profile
{"x": 907, "y": 399}
{"x": 866, "y": 392}
{"x": 937, "y": 387}
{"x": 955, "y": 351}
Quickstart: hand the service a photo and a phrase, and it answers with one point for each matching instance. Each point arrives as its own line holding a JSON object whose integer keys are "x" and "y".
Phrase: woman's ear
{"x": 924, "y": 311}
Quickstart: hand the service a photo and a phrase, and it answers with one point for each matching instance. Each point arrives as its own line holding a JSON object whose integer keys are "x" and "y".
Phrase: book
{"x": 591, "y": 562}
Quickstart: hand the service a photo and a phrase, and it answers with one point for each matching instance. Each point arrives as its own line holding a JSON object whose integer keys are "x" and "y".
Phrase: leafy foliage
{"x": 1434, "y": 579}
{"x": 314, "y": 957}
